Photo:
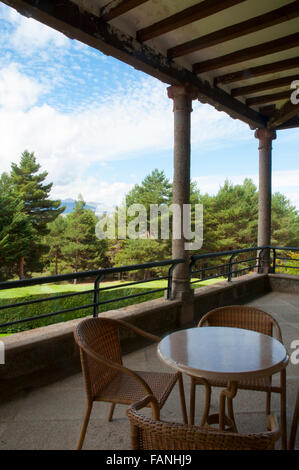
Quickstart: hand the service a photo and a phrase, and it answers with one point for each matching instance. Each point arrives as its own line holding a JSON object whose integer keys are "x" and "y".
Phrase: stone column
{"x": 182, "y": 97}
{"x": 265, "y": 137}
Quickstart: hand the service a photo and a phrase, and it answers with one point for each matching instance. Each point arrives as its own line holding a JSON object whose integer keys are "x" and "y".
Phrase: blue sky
{"x": 98, "y": 126}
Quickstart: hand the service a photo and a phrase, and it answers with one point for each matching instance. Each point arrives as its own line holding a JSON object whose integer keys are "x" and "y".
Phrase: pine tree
{"x": 56, "y": 240}
{"x": 83, "y": 250}
{"x": 15, "y": 229}
{"x": 284, "y": 222}
{"x": 30, "y": 186}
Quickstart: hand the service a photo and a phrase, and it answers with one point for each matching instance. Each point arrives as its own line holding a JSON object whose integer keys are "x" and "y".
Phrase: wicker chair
{"x": 249, "y": 318}
{"x": 153, "y": 434}
{"x": 294, "y": 424}
{"x": 106, "y": 379}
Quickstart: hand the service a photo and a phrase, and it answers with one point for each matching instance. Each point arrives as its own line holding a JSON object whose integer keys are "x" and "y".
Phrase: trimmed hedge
{"x": 27, "y": 311}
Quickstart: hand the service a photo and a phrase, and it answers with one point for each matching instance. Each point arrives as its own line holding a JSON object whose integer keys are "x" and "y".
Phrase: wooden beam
{"x": 189, "y": 15}
{"x": 118, "y": 7}
{"x": 258, "y": 71}
{"x": 268, "y": 110}
{"x": 291, "y": 124}
{"x": 257, "y": 23}
{"x": 250, "y": 89}
{"x": 67, "y": 17}
{"x": 271, "y": 98}
{"x": 254, "y": 52}
{"x": 283, "y": 115}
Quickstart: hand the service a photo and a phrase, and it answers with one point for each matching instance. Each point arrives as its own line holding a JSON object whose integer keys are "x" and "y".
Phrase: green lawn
{"x": 64, "y": 288}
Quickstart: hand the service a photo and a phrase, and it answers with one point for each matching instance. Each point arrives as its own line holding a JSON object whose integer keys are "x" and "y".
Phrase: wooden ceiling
{"x": 242, "y": 55}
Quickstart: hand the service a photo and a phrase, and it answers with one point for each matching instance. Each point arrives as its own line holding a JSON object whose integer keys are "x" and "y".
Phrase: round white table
{"x": 229, "y": 354}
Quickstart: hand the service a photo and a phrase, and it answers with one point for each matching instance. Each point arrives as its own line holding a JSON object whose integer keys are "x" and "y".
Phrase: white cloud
{"x": 17, "y": 91}
{"x": 132, "y": 120}
{"x": 30, "y": 35}
{"x": 107, "y": 195}
{"x": 123, "y": 125}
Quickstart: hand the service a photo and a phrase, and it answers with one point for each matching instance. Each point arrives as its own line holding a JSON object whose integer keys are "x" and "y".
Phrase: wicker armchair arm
{"x": 144, "y": 403}
{"x": 136, "y": 330}
{"x": 273, "y": 425}
{"x": 107, "y": 362}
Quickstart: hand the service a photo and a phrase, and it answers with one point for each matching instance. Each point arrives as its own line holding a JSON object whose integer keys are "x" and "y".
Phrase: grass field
{"x": 23, "y": 294}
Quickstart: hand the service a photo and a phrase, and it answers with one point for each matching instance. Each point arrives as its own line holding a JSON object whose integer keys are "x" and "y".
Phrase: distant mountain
{"x": 70, "y": 206}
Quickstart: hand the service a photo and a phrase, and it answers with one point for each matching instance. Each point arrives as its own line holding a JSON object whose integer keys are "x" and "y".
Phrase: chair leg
{"x": 182, "y": 398}
{"x": 268, "y": 403}
{"x": 110, "y": 414}
{"x": 192, "y": 401}
{"x": 283, "y": 410}
{"x": 84, "y": 426}
{"x": 294, "y": 424}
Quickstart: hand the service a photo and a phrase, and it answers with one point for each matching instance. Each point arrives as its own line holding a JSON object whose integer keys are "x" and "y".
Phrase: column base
{"x": 182, "y": 291}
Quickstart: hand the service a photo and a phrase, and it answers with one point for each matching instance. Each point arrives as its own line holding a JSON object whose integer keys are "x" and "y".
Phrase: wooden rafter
{"x": 118, "y": 7}
{"x": 277, "y": 83}
{"x": 252, "y": 25}
{"x": 67, "y": 17}
{"x": 258, "y": 71}
{"x": 189, "y": 15}
{"x": 271, "y": 98}
{"x": 287, "y": 112}
{"x": 254, "y": 52}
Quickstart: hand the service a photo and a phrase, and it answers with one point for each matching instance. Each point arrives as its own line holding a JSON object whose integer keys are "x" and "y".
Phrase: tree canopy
{"x": 36, "y": 236}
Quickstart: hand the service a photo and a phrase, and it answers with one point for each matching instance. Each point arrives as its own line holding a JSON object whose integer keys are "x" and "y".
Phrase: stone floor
{"x": 50, "y": 417}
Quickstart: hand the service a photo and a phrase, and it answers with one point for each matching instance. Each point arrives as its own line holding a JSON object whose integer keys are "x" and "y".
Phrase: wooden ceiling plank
{"x": 189, "y": 15}
{"x": 258, "y": 71}
{"x": 252, "y": 25}
{"x": 75, "y": 22}
{"x": 253, "y": 52}
{"x": 118, "y": 7}
{"x": 277, "y": 83}
{"x": 271, "y": 98}
{"x": 284, "y": 114}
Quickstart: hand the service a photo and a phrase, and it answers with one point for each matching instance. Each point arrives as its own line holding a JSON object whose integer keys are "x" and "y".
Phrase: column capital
{"x": 182, "y": 96}
{"x": 265, "y": 137}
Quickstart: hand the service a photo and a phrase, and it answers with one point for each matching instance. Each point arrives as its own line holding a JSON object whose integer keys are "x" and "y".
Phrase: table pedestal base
{"x": 225, "y": 421}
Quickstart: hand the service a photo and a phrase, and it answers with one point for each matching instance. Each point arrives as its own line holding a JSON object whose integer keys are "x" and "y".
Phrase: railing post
{"x": 230, "y": 268}
{"x": 96, "y": 295}
{"x": 191, "y": 264}
{"x": 260, "y": 255}
{"x": 169, "y": 283}
{"x": 274, "y": 260}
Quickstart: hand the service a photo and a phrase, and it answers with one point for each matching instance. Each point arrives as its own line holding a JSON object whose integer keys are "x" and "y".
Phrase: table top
{"x": 223, "y": 353}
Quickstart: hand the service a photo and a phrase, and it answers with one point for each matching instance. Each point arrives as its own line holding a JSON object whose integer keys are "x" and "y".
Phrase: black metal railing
{"x": 228, "y": 266}
{"x": 230, "y": 260}
{"x": 276, "y": 257}
{"x": 98, "y": 276}
{"x": 225, "y": 264}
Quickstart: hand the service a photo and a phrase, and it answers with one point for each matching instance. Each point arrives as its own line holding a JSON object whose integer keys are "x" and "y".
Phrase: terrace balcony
{"x": 42, "y": 389}
{"x": 41, "y": 386}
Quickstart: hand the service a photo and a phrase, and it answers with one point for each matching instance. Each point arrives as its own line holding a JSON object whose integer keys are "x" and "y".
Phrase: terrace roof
{"x": 242, "y": 55}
